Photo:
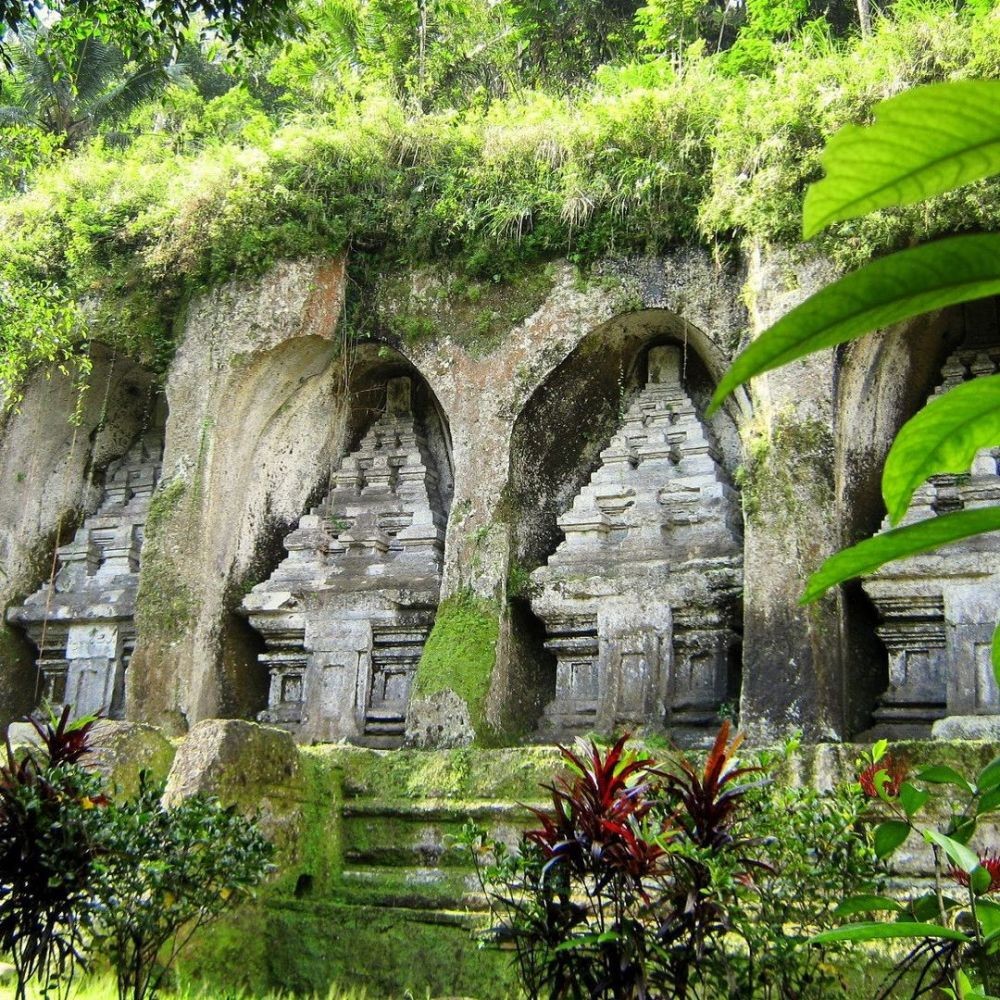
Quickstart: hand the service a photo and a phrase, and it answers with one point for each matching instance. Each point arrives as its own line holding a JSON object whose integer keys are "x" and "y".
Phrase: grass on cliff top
{"x": 110, "y": 243}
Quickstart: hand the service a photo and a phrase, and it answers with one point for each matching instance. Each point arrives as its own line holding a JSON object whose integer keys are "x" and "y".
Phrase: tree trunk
{"x": 865, "y": 16}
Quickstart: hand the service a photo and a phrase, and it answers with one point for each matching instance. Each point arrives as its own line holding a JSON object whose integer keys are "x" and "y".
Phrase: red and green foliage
{"x": 642, "y": 875}
{"x": 48, "y": 847}
{"x": 955, "y": 940}
{"x": 81, "y": 872}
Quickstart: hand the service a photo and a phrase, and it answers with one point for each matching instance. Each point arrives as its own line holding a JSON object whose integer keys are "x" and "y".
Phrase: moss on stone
{"x": 463, "y": 775}
{"x": 165, "y": 605}
{"x": 477, "y": 314}
{"x": 787, "y": 468}
{"x": 460, "y": 654}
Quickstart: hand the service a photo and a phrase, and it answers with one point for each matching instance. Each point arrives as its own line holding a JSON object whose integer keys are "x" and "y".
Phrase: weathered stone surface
{"x": 265, "y": 400}
{"x": 346, "y": 614}
{"x": 232, "y": 759}
{"x": 640, "y": 601}
{"x": 938, "y": 610}
{"x": 23, "y": 734}
{"x": 256, "y": 410}
{"x": 967, "y": 727}
{"x": 83, "y": 622}
{"x": 122, "y": 750}
{"x": 50, "y": 476}
{"x": 440, "y": 720}
{"x": 255, "y": 768}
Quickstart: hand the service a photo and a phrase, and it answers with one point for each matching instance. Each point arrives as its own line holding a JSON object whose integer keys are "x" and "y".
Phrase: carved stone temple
{"x": 938, "y": 611}
{"x": 640, "y": 602}
{"x": 83, "y": 625}
{"x": 346, "y": 614}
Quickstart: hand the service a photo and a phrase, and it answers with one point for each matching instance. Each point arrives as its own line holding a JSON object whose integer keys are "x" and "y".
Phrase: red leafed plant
{"x": 707, "y": 801}
{"x": 599, "y": 860}
{"x": 47, "y": 851}
{"x": 596, "y": 815}
{"x": 611, "y": 896}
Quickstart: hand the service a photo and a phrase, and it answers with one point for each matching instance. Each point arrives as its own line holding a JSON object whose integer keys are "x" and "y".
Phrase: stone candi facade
{"x": 83, "y": 625}
{"x": 938, "y": 610}
{"x": 346, "y": 614}
{"x": 656, "y": 599}
{"x": 641, "y": 601}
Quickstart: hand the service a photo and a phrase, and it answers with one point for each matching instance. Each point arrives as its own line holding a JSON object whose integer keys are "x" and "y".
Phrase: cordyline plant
{"x": 611, "y": 896}
{"x": 955, "y": 928}
{"x": 133, "y": 877}
{"x": 48, "y": 846}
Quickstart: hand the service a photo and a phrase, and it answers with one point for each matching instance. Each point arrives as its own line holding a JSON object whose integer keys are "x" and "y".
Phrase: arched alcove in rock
{"x": 916, "y": 632}
{"x": 346, "y": 613}
{"x": 77, "y": 470}
{"x": 621, "y": 507}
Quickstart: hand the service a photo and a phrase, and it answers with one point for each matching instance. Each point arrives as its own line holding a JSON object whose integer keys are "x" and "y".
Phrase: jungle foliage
{"x": 925, "y": 142}
{"x": 486, "y": 136}
{"x": 86, "y": 871}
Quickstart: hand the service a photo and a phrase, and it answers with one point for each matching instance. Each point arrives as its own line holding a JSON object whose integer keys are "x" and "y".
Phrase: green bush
{"x": 132, "y": 879}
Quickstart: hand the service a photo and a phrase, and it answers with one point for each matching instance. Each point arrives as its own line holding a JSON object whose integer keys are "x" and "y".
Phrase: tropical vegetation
{"x": 482, "y": 137}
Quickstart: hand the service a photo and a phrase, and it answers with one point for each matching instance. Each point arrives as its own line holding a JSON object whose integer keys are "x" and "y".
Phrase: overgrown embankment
{"x": 112, "y": 241}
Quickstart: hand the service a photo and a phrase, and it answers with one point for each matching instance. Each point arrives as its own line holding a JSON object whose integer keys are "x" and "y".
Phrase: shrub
{"x": 675, "y": 880}
{"x": 80, "y": 872}
{"x": 956, "y": 924}
{"x": 163, "y": 874}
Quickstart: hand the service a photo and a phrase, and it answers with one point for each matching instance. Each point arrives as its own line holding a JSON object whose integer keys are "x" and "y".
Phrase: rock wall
{"x": 269, "y": 395}
{"x": 54, "y": 451}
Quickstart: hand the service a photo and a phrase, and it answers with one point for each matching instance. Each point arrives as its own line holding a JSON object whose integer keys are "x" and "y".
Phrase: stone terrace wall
{"x": 370, "y": 890}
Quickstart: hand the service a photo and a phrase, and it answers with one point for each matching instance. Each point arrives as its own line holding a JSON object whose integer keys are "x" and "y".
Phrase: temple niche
{"x": 83, "y": 625}
{"x": 345, "y": 616}
{"x": 641, "y": 601}
{"x": 938, "y": 610}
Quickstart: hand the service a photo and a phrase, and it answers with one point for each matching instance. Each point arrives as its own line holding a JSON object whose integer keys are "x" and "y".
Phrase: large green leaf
{"x": 958, "y": 854}
{"x": 925, "y": 141}
{"x": 867, "y": 556}
{"x": 989, "y": 776}
{"x": 879, "y": 931}
{"x": 889, "y": 835}
{"x": 865, "y": 904}
{"x": 887, "y": 291}
{"x": 943, "y": 437}
{"x": 942, "y": 774}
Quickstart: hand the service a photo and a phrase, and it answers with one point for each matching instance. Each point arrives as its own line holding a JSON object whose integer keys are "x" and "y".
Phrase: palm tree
{"x": 72, "y": 95}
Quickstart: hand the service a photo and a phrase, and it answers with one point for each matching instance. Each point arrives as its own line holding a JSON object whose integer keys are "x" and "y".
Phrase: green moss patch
{"x": 165, "y": 605}
{"x": 460, "y": 654}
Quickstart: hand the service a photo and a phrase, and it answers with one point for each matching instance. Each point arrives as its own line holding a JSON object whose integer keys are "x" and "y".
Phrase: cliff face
{"x": 268, "y": 404}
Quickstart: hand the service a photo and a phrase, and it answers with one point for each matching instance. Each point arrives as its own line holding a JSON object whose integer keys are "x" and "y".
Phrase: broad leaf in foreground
{"x": 943, "y": 437}
{"x": 887, "y": 291}
{"x": 925, "y": 141}
{"x": 923, "y": 536}
{"x": 866, "y": 904}
{"x": 879, "y": 931}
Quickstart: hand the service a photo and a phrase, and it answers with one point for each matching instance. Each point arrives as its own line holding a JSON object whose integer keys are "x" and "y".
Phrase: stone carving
{"x": 938, "y": 610}
{"x": 84, "y": 624}
{"x": 345, "y": 615}
{"x": 641, "y": 601}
